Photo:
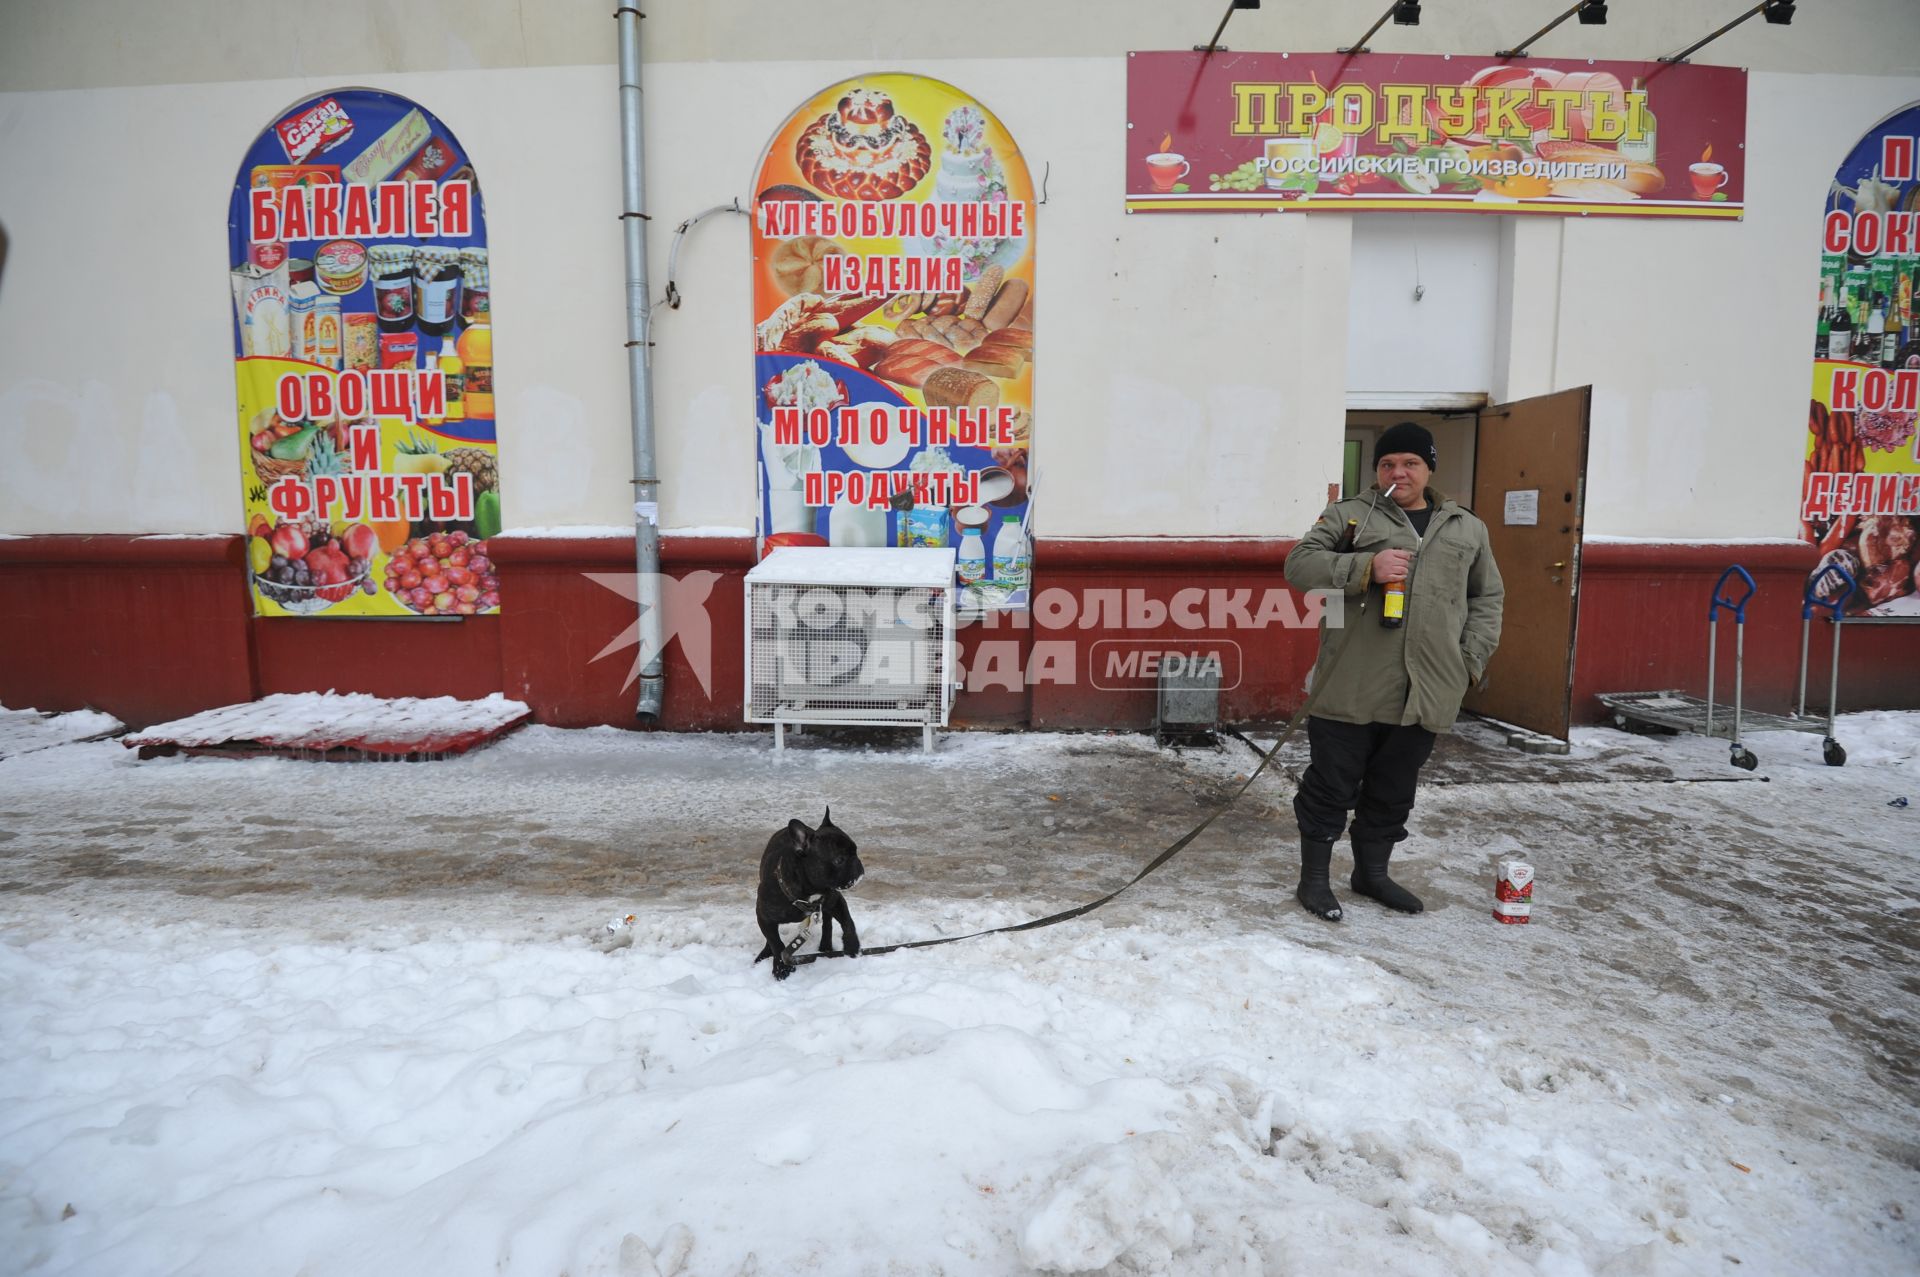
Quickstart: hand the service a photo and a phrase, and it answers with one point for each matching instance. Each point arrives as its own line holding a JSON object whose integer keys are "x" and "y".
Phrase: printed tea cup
{"x": 1707, "y": 178}
{"x": 1165, "y": 168}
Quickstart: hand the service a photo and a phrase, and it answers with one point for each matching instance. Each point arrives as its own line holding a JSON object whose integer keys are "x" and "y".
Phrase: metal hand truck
{"x": 1679, "y": 712}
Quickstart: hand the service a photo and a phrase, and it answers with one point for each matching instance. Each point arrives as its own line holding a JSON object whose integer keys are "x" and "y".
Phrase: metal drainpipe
{"x": 646, "y": 485}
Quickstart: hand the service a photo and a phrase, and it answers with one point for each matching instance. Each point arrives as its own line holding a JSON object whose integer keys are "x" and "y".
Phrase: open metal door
{"x": 1530, "y": 467}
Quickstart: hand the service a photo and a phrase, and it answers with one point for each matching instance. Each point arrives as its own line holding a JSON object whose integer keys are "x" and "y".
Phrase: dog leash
{"x": 1179, "y": 844}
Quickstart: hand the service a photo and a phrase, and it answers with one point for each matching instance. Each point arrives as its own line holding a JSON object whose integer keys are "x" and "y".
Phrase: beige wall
{"x": 1192, "y": 376}
{"x": 63, "y": 44}
{"x": 1173, "y": 353}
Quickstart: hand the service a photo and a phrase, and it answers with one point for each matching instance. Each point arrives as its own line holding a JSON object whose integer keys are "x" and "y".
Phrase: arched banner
{"x": 893, "y": 283}
{"x": 1860, "y": 499}
{"x": 363, "y": 361}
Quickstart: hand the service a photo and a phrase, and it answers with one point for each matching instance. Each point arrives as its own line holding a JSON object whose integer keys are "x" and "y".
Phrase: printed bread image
{"x": 960, "y": 388}
{"x": 797, "y": 263}
{"x": 989, "y": 324}
{"x": 910, "y": 361}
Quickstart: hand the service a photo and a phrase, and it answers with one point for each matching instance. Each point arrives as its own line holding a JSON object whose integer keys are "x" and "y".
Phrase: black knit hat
{"x": 1407, "y": 437}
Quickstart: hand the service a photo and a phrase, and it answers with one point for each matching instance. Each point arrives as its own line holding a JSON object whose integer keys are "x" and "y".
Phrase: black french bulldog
{"x": 803, "y": 869}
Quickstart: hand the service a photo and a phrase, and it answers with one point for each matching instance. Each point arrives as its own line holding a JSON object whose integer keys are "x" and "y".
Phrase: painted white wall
{"x": 1191, "y": 370}
{"x": 1444, "y": 339}
{"x": 1173, "y": 354}
{"x": 101, "y": 43}
{"x": 1698, "y": 340}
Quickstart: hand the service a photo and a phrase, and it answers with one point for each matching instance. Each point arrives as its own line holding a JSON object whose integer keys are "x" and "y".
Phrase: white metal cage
{"x": 846, "y": 636}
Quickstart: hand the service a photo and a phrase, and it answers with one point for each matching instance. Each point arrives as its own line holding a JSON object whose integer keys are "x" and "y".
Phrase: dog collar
{"x": 810, "y": 905}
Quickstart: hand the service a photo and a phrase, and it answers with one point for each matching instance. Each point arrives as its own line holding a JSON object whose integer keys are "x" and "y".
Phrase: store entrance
{"x": 1522, "y": 468}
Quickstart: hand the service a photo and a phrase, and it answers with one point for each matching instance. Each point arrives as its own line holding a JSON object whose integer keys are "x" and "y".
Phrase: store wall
{"x": 1191, "y": 373}
{"x": 1698, "y": 340}
{"x": 61, "y": 46}
{"x": 1168, "y": 371}
{"x": 1423, "y": 308}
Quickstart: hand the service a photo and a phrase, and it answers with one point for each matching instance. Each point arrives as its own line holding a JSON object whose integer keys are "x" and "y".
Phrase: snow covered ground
{"x": 279, "y": 1017}
{"x": 25, "y": 730}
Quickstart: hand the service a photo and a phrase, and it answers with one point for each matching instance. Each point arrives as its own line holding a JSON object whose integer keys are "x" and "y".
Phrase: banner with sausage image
{"x": 893, "y": 245}
{"x": 363, "y": 364}
{"x": 1860, "y": 493}
{"x": 1408, "y": 133}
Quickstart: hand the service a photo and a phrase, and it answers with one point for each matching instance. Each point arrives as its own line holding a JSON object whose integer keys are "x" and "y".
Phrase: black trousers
{"x": 1369, "y": 769}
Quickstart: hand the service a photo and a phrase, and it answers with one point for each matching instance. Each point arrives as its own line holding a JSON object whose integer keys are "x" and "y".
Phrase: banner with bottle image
{"x": 1860, "y": 493}
{"x": 893, "y": 246}
{"x": 1382, "y": 132}
{"x": 363, "y": 364}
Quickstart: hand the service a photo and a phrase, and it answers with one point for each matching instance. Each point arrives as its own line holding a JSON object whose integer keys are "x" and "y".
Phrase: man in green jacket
{"x": 1379, "y": 705}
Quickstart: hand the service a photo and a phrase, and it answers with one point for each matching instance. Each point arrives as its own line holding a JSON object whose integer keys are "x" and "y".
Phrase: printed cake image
{"x": 969, "y": 173}
{"x": 864, "y": 150}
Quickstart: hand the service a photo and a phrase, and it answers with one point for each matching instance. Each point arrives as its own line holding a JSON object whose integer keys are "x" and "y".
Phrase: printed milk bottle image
{"x": 972, "y": 564}
{"x": 1012, "y": 564}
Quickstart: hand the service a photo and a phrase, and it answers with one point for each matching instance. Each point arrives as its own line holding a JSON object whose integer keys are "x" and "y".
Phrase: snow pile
{"x": 328, "y": 720}
{"x": 818, "y": 565}
{"x": 338, "y": 1076}
{"x": 591, "y": 530}
{"x": 25, "y": 730}
{"x": 1885, "y": 741}
{"x": 1119, "y": 1201}
{"x": 482, "y": 1099}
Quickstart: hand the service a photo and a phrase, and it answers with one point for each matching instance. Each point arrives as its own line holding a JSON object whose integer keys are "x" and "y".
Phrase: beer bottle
{"x": 1867, "y": 342}
{"x": 1840, "y": 334}
{"x": 1393, "y": 608}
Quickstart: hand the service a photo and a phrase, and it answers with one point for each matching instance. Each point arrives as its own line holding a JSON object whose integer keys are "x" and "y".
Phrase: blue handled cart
{"x": 1677, "y": 711}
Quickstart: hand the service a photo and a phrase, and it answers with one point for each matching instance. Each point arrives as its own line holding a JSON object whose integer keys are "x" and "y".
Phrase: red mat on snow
{"x": 340, "y": 727}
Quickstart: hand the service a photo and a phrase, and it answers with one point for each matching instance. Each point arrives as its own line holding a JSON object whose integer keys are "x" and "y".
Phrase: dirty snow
{"x": 318, "y": 720}
{"x": 22, "y": 730}
{"x": 271, "y": 1016}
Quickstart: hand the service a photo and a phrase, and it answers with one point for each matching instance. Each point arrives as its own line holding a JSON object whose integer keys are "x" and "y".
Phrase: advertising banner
{"x": 1269, "y": 132}
{"x": 363, "y": 362}
{"x": 1860, "y": 500}
{"x": 893, "y": 246}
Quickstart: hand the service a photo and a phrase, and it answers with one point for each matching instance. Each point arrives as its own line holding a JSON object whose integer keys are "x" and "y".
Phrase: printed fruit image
{"x": 477, "y": 462}
{"x": 446, "y": 573}
{"x": 325, "y": 457}
{"x": 289, "y": 541}
{"x": 359, "y": 541}
{"x": 1523, "y": 186}
{"x": 486, "y": 515}
{"x": 392, "y": 533}
{"x": 1247, "y": 177}
{"x": 418, "y": 455}
{"x": 307, "y": 568}
{"x": 281, "y": 449}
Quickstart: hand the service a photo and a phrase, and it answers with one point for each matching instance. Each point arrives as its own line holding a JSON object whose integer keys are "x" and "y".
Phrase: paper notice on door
{"x": 1523, "y": 508}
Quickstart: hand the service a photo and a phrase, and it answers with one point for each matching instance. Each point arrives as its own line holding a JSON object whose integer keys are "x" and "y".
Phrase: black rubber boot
{"x": 1370, "y": 878}
{"x": 1315, "y": 891}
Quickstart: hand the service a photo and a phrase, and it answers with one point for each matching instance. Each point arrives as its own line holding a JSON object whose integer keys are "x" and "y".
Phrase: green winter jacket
{"x": 1418, "y": 673}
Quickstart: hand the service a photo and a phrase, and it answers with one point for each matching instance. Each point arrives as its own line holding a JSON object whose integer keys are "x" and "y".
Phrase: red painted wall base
{"x": 153, "y": 629}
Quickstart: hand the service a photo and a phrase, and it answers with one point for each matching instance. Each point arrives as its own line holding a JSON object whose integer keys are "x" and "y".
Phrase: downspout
{"x": 646, "y": 484}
